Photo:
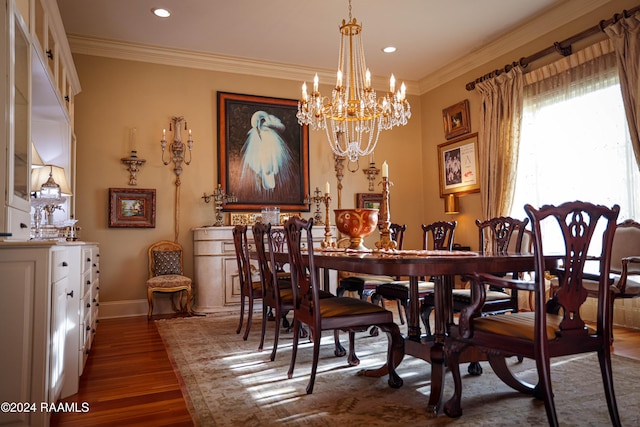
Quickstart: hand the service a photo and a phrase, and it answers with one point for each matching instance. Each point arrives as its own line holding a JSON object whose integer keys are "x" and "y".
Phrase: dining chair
{"x": 441, "y": 235}
{"x": 166, "y": 274}
{"x": 336, "y": 313}
{"x": 250, "y": 286}
{"x": 540, "y": 335}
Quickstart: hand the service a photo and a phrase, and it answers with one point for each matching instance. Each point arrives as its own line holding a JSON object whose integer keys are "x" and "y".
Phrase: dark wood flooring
{"x": 129, "y": 380}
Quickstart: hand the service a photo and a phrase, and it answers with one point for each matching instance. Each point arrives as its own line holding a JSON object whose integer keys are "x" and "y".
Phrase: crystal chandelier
{"x": 353, "y": 117}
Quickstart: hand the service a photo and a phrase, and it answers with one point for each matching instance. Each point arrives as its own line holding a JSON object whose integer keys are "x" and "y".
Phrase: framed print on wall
{"x": 458, "y": 166}
{"x": 368, "y": 200}
{"x": 132, "y": 208}
{"x": 263, "y": 153}
{"x": 456, "y": 120}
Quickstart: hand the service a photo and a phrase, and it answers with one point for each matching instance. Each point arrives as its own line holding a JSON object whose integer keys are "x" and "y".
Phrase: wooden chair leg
{"x": 249, "y": 319}
{"x": 239, "y": 328}
{"x": 294, "y": 348}
{"x": 314, "y": 364}
{"x": 150, "y": 300}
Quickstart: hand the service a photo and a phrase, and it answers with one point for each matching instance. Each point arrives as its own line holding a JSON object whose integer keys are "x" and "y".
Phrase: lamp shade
{"x": 451, "y": 205}
{"x": 40, "y": 175}
{"x": 36, "y": 160}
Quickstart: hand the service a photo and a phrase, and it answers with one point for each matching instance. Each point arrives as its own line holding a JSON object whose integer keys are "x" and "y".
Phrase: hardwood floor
{"x": 129, "y": 380}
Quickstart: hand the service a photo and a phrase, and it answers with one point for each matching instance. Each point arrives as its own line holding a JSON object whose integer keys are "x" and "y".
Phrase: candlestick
{"x": 219, "y": 198}
{"x": 385, "y": 169}
{"x": 327, "y": 188}
{"x": 384, "y": 218}
{"x": 317, "y": 199}
{"x": 328, "y": 241}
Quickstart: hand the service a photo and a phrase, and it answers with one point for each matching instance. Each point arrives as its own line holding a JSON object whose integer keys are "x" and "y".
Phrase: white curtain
{"x": 498, "y": 140}
{"x": 625, "y": 34}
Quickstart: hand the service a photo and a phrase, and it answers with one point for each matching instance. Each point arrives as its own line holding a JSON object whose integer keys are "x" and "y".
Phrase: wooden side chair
{"x": 540, "y": 335}
{"x": 166, "y": 270}
{"x": 250, "y": 288}
{"x": 276, "y": 283}
{"x": 441, "y": 235}
{"x": 335, "y": 313}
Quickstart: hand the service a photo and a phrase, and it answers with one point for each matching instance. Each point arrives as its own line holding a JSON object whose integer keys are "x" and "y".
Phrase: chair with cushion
{"x": 441, "y": 234}
{"x": 166, "y": 274}
{"x": 250, "y": 286}
{"x": 335, "y": 313}
{"x": 365, "y": 284}
{"x": 540, "y": 335}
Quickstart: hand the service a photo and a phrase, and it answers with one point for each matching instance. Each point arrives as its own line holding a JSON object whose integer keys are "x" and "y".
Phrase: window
{"x": 574, "y": 142}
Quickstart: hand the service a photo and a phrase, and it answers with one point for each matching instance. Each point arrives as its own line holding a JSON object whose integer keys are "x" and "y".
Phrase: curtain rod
{"x": 563, "y": 47}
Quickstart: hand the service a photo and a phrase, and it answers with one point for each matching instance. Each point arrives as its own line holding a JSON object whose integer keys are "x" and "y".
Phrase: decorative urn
{"x": 357, "y": 224}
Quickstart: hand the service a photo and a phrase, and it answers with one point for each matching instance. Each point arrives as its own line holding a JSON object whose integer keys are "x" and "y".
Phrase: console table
{"x": 216, "y": 282}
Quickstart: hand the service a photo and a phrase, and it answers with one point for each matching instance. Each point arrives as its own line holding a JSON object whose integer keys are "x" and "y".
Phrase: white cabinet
{"x": 82, "y": 312}
{"x": 216, "y": 282}
{"x": 35, "y": 277}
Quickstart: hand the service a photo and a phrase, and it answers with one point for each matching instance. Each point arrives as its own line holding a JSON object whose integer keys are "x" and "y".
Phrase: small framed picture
{"x": 458, "y": 166}
{"x": 456, "y": 120}
{"x": 132, "y": 208}
{"x": 369, "y": 200}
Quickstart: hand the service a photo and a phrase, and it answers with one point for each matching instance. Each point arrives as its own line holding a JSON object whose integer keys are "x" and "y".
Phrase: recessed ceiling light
{"x": 389, "y": 49}
{"x": 160, "y": 12}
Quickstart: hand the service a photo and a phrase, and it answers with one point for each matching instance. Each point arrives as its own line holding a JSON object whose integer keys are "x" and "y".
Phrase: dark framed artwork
{"x": 456, "y": 120}
{"x": 458, "y": 166}
{"x": 132, "y": 208}
{"x": 368, "y": 200}
{"x": 263, "y": 153}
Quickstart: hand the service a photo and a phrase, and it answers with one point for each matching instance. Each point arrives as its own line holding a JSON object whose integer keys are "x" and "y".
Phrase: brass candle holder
{"x": 328, "y": 241}
{"x": 317, "y": 199}
{"x": 371, "y": 172}
{"x": 384, "y": 219}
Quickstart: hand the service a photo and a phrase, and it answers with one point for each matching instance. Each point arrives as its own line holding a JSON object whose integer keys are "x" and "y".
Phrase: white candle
{"x": 315, "y": 83}
{"x": 304, "y": 91}
{"x": 164, "y": 134}
{"x": 367, "y": 79}
{"x": 327, "y": 189}
{"x": 403, "y": 91}
{"x": 392, "y": 84}
{"x": 339, "y": 80}
{"x": 385, "y": 169}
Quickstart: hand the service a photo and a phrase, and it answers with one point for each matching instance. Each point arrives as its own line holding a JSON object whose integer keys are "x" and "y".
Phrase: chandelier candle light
{"x": 353, "y": 117}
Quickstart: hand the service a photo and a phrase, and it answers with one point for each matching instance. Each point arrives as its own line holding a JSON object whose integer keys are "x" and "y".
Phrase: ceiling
{"x": 428, "y": 34}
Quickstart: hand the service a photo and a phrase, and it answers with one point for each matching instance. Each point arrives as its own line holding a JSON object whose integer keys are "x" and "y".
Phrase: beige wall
{"x": 118, "y": 95}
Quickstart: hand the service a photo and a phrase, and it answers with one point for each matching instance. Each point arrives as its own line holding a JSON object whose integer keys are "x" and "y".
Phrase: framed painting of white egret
{"x": 263, "y": 153}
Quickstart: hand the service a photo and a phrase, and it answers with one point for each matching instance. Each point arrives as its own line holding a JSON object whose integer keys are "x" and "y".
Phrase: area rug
{"x": 227, "y": 382}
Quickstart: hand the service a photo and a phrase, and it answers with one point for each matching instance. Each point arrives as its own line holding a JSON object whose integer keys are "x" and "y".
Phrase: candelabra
{"x": 177, "y": 147}
{"x": 371, "y": 172}
{"x": 317, "y": 199}
{"x": 384, "y": 218}
{"x": 328, "y": 241}
{"x": 133, "y": 163}
{"x": 219, "y": 198}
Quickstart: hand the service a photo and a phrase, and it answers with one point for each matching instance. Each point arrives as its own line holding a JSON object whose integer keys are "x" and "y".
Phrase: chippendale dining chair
{"x": 335, "y": 313}
{"x": 441, "y": 234}
{"x": 541, "y": 335}
{"x": 166, "y": 273}
{"x": 250, "y": 288}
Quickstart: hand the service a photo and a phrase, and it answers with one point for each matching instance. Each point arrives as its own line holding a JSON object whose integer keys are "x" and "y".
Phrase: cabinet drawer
{"x": 60, "y": 264}
{"x": 19, "y": 223}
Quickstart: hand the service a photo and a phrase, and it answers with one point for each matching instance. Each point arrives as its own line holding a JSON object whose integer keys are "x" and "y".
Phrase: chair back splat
{"x": 584, "y": 229}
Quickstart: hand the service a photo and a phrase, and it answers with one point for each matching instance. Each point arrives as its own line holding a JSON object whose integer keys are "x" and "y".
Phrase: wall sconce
{"x": 133, "y": 162}
{"x": 371, "y": 172}
{"x": 177, "y": 147}
{"x": 451, "y": 205}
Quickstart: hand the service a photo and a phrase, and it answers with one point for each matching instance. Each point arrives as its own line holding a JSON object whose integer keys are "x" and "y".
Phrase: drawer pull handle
{"x": 88, "y": 305}
{"x": 49, "y": 54}
{"x": 65, "y": 264}
{"x": 70, "y": 294}
{"x": 23, "y": 225}
{"x": 88, "y": 282}
{"x": 88, "y": 328}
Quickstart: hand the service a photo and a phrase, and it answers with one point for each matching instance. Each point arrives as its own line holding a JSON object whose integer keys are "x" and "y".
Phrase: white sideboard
{"x": 216, "y": 283}
{"x": 44, "y": 287}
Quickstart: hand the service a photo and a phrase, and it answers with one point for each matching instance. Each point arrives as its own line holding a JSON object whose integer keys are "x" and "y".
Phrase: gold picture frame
{"x": 456, "y": 120}
{"x": 458, "y": 166}
{"x": 132, "y": 208}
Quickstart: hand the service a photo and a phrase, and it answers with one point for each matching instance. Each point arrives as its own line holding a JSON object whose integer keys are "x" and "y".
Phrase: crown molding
{"x": 542, "y": 24}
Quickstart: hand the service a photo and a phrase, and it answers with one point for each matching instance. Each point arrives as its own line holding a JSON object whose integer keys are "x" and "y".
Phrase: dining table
{"x": 415, "y": 264}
